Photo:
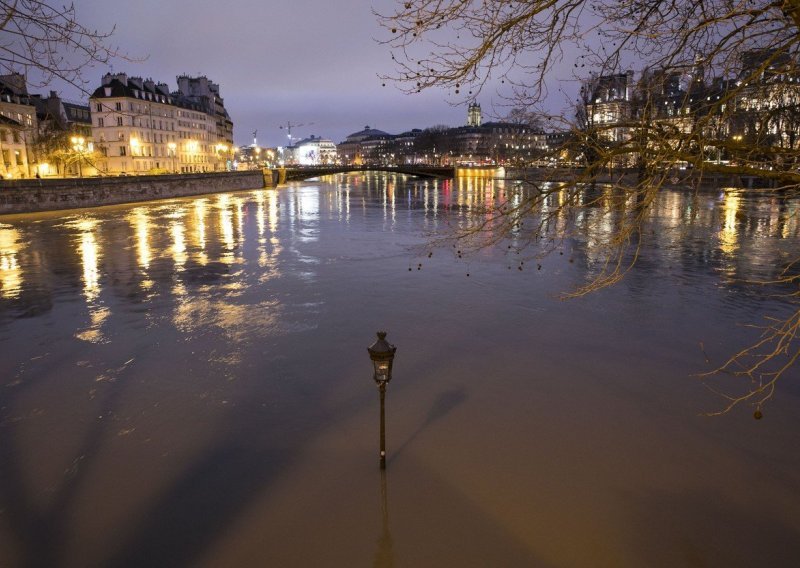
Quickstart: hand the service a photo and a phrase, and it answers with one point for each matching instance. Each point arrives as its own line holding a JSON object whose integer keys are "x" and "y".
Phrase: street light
{"x": 382, "y": 354}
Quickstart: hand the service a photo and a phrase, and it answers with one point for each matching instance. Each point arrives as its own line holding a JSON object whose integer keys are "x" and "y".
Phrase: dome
{"x": 366, "y": 133}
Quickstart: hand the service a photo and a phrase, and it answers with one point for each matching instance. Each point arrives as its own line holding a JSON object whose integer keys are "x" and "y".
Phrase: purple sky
{"x": 303, "y": 61}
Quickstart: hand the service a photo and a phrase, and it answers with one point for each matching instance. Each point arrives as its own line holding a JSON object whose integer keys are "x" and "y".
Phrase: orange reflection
{"x": 226, "y": 227}
{"x": 94, "y": 333}
{"x": 141, "y": 223}
{"x": 178, "y": 232}
{"x": 10, "y": 271}
{"x": 238, "y": 205}
{"x": 198, "y": 224}
{"x": 90, "y": 258}
{"x": 728, "y": 235}
{"x": 260, "y": 214}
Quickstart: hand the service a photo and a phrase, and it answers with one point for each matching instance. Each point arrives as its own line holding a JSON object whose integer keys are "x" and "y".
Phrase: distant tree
{"x": 673, "y": 136}
{"x": 521, "y": 115}
{"x": 46, "y": 40}
{"x": 433, "y": 141}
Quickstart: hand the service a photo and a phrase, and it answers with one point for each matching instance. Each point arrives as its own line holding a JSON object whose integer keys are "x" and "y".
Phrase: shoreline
{"x": 41, "y": 195}
{"x": 57, "y": 194}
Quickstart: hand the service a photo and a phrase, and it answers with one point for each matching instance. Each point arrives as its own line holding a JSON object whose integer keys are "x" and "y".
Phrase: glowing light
{"x": 262, "y": 227}
{"x": 273, "y": 211}
{"x": 226, "y": 227}
{"x": 728, "y": 241}
{"x": 200, "y": 226}
{"x": 90, "y": 259}
{"x": 178, "y": 243}
{"x": 10, "y": 271}
{"x": 141, "y": 223}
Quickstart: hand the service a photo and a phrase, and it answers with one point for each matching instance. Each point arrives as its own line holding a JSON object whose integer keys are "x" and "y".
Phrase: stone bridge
{"x": 298, "y": 173}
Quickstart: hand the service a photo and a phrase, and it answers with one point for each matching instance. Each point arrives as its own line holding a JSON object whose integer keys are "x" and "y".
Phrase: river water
{"x": 186, "y": 383}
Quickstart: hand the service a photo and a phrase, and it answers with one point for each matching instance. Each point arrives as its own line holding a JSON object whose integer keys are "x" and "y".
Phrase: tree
{"x": 673, "y": 127}
{"x": 46, "y": 40}
{"x": 60, "y": 147}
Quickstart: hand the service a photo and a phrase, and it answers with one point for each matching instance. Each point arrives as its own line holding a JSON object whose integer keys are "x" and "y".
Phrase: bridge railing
{"x": 296, "y": 173}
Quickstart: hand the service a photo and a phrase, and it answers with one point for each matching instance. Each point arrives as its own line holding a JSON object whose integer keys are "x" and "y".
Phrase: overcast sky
{"x": 312, "y": 62}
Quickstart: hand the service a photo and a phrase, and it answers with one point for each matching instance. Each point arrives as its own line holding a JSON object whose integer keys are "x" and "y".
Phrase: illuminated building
{"x": 609, "y": 105}
{"x": 64, "y": 131}
{"x": 17, "y": 127}
{"x": 139, "y": 126}
{"x": 314, "y": 151}
{"x": 474, "y": 114}
{"x": 363, "y": 147}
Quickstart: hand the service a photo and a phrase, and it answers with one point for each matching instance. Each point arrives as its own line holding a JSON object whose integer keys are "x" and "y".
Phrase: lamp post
{"x": 382, "y": 354}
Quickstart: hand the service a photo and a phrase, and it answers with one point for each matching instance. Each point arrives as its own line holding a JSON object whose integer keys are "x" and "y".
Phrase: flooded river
{"x": 186, "y": 383}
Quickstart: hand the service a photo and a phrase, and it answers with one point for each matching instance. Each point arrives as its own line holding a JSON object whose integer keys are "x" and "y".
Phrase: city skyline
{"x": 276, "y": 63}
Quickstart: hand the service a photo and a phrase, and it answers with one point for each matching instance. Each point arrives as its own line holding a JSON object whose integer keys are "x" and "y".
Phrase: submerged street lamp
{"x": 382, "y": 354}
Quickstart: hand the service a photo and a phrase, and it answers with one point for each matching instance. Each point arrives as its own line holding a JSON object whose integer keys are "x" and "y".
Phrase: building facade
{"x": 64, "y": 144}
{"x": 364, "y": 147}
{"x": 314, "y": 151}
{"x": 17, "y": 127}
{"x": 139, "y": 126}
{"x": 609, "y": 105}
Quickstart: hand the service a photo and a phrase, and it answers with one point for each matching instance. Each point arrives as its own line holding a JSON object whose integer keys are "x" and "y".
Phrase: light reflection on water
{"x": 185, "y": 383}
{"x": 10, "y": 271}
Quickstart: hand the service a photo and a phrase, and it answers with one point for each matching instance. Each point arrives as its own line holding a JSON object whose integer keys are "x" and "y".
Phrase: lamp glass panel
{"x": 381, "y": 370}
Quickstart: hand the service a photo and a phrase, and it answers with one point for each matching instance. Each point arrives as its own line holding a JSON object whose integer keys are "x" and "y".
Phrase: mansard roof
{"x": 117, "y": 89}
{"x": 134, "y": 88}
{"x": 77, "y": 112}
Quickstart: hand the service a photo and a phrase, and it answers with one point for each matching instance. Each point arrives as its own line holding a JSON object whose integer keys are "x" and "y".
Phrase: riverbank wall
{"x": 34, "y": 195}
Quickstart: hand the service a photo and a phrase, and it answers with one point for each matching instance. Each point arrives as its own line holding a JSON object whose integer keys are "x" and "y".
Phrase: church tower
{"x": 474, "y": 114}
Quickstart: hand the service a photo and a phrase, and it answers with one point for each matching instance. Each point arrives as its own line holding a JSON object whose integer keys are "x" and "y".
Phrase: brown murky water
{"x": 186, "y": 383}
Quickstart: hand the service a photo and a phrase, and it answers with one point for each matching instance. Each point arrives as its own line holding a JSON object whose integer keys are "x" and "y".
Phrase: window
{"x": 119, "y": 121}
{"x": 6, "y": 158}
{"x": 100, "y": 123}
{"x": 123, "y": 151}
{"x": 18, "y": 155}
{"x": 118, "y": 106}
{"x": 99, "y": 107}
{"x": 15, "y": 134}
{"x": 3, "y": 135}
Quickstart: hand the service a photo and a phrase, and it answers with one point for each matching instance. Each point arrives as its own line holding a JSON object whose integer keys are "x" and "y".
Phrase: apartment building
{"x": 17, "y": 127}
{"x": 139, "y": 126}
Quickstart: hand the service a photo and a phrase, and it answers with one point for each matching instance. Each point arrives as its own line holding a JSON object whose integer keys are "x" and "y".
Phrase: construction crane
{"x": 289, "y": 125}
